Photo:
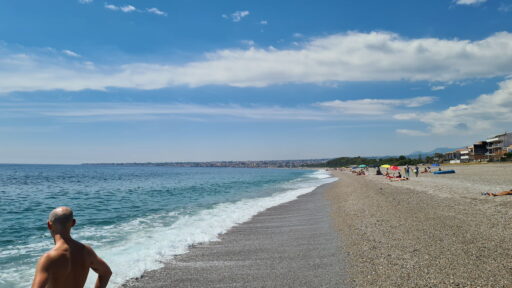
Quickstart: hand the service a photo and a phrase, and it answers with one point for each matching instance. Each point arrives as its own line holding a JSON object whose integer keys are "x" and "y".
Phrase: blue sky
{"x": 122, "y": 81}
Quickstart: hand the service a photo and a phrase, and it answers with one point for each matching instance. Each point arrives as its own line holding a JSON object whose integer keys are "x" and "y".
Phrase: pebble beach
{"x": 430, "y": 231}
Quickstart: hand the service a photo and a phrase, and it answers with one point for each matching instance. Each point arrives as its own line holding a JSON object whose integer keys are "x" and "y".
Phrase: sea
{"x": 135, "y": 217}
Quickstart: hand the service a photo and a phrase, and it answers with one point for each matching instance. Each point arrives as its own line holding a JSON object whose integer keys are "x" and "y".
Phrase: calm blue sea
{"x": 134, "y": 217}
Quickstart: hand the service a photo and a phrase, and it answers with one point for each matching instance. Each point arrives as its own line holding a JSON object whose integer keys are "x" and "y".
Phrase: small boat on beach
{"x": 444, "y": 172}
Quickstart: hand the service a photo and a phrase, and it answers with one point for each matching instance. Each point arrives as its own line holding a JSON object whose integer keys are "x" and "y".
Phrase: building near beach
{"x": 478, "y": 151}
{"x": 492, "y": 149}
{"x": 452, "y": 156}
{"x": 465, "y": 155}
{"x": 498, "y": 145}
{"x": 457, "y": 156}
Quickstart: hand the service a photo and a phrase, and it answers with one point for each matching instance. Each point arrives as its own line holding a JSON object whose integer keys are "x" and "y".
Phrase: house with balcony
{"x": 498, "y": 145}
{"x": 478, "y": 152}
{"x": 449, "y": 156}
{"x": 453, "y": 156}
{"x": 465, "y": 154}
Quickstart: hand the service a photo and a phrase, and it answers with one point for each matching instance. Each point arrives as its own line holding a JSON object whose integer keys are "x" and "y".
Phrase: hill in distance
{"x": 416, "y": 154}
{"x": 441, "y": 150}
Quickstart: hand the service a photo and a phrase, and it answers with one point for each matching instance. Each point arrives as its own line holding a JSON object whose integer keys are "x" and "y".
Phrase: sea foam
{"x": 146, "y": 243}
{"x": 147, "y": 248}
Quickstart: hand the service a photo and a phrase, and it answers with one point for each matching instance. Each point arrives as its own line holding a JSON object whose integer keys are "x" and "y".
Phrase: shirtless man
{"x": 67, "y": 264}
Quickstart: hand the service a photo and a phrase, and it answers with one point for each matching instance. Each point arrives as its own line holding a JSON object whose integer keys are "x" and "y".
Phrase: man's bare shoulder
{"x": 89, "y": 252}
{"x": 47, "y": 258}
{"x": 50, "y": 258}
{"x": 88, "y": 249}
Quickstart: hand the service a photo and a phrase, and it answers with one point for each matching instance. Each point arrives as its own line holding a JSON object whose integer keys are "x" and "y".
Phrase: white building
{"x": 498, "y": 145}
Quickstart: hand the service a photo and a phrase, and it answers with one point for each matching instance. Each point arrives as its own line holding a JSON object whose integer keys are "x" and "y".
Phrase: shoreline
{"x": 293, "y": 244}
{"x": 430, "y": 231}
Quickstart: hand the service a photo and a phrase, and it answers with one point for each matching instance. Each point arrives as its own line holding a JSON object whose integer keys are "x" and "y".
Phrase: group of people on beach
{"x": 361, "y": 172}
{"x": 416, "y": 170}
{"x": 399, "y": 176}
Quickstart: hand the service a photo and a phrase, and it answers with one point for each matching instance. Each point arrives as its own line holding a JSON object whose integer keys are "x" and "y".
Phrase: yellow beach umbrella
{"x": 385, "y": 166}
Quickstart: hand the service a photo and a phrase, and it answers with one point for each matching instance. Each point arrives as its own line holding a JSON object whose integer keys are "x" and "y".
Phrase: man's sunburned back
{"x": 67, "y": 264}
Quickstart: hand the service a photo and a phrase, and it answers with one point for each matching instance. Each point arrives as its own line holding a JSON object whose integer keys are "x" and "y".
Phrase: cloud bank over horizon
{"x": 488, "y": 112}
{"x": 349, "y": 57}
{"x": 321, "y": 111}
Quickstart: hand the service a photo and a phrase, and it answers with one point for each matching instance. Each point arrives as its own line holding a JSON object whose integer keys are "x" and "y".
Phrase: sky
{"x": 157, "y": 81}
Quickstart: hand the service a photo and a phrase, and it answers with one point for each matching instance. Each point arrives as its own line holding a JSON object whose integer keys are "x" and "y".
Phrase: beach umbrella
{"x": 385, "y": 166}
{"x": 362, "y": 166}
{"x": 395, "y": 168}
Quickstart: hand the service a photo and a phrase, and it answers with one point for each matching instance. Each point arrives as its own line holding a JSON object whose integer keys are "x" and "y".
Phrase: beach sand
{"x": 431, "y": 231}
{"x": 290, "y": 245}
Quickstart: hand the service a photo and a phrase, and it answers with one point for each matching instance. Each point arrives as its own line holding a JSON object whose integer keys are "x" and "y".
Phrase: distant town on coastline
{"x": 497, "y": 148}
{"x": 231, "y": 164}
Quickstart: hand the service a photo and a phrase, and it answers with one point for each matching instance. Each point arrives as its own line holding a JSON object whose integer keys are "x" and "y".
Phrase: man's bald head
{"x": 61, "y": 217}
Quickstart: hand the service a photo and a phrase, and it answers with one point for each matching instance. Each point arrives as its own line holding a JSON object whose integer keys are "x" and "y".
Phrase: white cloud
{"x": 71, "y": 53}
{"x": 411, "y": 132}
{"x": 156, "y": 11}
{"x": 298, "y": 35}
{"x": 111, "y": 7}
{"x": 130, "y": 8}
{"x": 237, "y": 16}
{"x": 376, "y": 56}
{"x": 325, "y": 111}
{"x": 469, "y": 2}
{"x": 125, "y": 9}
{"x": 263, "y": 113}
{"x": 263, "y": 22}
{"x": 123, "y": 111}
{"x": 375, "y": 106}
{"x": 406, "y": 116}
{"x": 438, "y": 88}
{"x": 488, "y": 112}
{"x": 85, "y": 1}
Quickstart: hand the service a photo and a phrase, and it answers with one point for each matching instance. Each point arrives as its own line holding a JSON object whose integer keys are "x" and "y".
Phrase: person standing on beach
{"x": 67, "y": 264}
{"x": 407, "y": 171}
{"x": 378, "y": 171}
{"x": 416, "y": 170}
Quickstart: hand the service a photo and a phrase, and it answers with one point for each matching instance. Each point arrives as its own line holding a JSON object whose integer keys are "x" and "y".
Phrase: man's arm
{"x": 101, "y": 267}
{"x": 42, "y": 272}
